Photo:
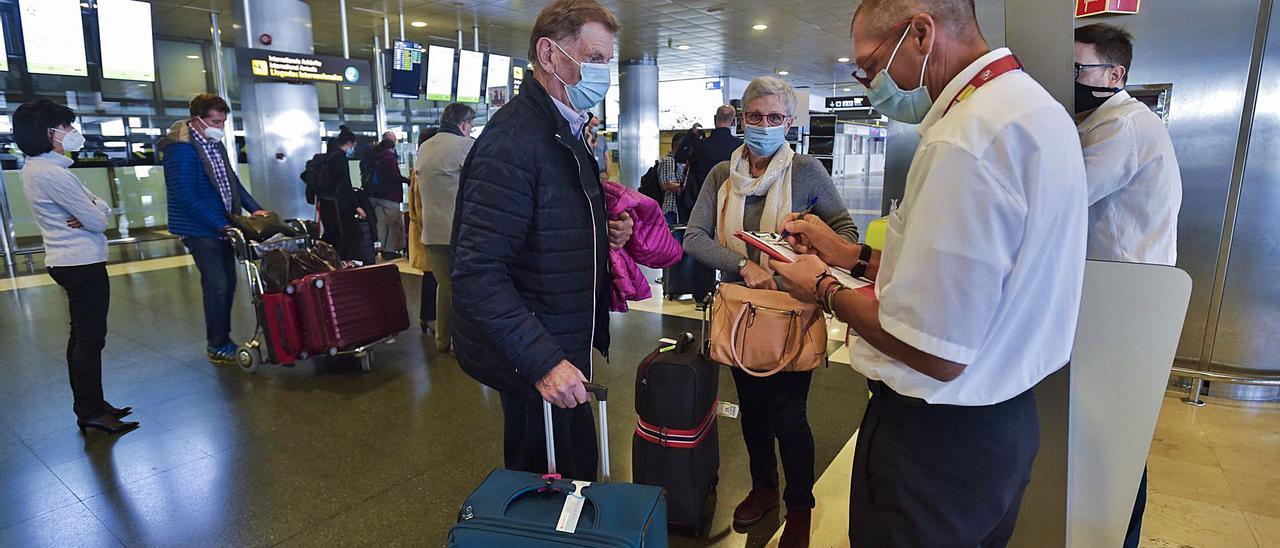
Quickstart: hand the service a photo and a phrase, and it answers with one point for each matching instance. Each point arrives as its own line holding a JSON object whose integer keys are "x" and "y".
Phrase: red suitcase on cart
{"x": 280, "y": 322}
{"x": 344, "y": 309}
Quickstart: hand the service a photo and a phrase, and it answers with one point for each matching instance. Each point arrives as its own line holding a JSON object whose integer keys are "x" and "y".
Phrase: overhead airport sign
{"x": 301, "y": 67}
{"x": 1086, "y": 8}
{"x": 848, "y": 102}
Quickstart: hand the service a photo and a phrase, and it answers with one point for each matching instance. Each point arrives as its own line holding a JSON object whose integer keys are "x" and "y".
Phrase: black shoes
{"x": 754, "y": 508}
{"x": 118, "y": 412}
{"x": 796, "y": 533}
{"x": 107, "y": 423}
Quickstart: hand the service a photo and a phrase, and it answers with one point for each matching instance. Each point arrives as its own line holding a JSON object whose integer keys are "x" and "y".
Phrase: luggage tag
{"x": 726, "y": 409}
{"x": 668, "y": 345}
{"x": 572, "y": 509}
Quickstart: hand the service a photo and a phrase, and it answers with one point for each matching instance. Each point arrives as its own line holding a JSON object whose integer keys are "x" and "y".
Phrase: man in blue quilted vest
{"x": 202, "y": 191}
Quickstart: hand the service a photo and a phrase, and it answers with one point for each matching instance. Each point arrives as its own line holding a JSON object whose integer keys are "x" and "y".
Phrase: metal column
{"x": 638, "y": 140}
{"x": 281, "y": 120}
{"x": 220, "y": 80}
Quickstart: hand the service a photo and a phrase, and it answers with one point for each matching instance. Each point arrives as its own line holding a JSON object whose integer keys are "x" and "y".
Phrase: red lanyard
{"x": 988, "y": 73}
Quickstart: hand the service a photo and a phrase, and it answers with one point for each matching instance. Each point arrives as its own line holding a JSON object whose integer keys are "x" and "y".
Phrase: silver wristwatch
{"x": 741, "y": 265}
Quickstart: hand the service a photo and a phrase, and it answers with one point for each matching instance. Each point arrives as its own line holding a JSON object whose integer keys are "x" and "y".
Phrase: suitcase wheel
{"x": 366, "y": 361}
{"x": 246, "y": 359}
{"x": 303, "y": 355}
{"x": 333, "y": 352}
{"x": 318, "y": 283}
{"x": 289, "y": 290}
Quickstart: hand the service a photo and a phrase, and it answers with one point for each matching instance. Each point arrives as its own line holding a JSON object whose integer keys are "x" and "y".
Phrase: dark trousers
{"x": 704, "y": 281}
{"x": 216, "y": 262}
{"x": 773, "y": 409}
{"x": 525, "y": 444}
{"x": 89, "y": 297}
{"x": 427, "y": 301}
{"x": 1134, "y": 536}
{"x": 940, "y": 475}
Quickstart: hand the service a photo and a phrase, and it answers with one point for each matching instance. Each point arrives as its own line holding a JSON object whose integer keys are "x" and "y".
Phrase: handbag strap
{"x": 736, "y": 355}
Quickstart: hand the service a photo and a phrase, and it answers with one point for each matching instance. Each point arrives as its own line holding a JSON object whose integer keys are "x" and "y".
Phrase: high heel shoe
{"x": 118, "y": 412}
{"x": 107, "y": 423}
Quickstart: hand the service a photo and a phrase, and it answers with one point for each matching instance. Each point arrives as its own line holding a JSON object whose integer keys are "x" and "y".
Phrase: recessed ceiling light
{"x": 842, "y": 60}
{"x": 760, "y": 26}
{"x": 143, "y": 85}
{"x": 346, "y": 87}
{"x": 783, "y": 73}
{"x": 682, "y": 47}
{"x": 193, "y": 57}
{"x": 846, "y": 89}
{"x": 418, "y": 24}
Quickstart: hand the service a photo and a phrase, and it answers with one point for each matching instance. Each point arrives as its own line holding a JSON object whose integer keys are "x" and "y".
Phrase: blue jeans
{"x": 216, "y": 262}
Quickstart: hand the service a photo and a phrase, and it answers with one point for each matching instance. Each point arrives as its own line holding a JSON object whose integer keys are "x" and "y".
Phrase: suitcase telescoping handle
{"x": 601, "y": 393}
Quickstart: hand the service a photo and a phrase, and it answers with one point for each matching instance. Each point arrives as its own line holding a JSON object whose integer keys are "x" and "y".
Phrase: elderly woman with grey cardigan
{"x": 755, "y": 190}
{"x": 72, "y": 222}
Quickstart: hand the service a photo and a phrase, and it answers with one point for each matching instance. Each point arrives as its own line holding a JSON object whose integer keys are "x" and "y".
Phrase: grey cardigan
{"x": 56, "y": 195}
{"x": 808, "y": 179}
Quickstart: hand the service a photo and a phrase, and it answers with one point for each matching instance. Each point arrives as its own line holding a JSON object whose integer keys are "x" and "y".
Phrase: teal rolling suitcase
{"x": 537, "y": 510}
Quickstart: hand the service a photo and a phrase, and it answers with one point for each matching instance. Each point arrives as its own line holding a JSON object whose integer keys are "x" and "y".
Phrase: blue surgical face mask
{"x": 763, "y": 142}
{"x": 892, "y": 101}
{"x": 591, "y": 87}
{"x": 351, "y": 152}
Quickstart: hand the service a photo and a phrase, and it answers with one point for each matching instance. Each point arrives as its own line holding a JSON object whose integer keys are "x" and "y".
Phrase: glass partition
{"x": 181, "y": 69}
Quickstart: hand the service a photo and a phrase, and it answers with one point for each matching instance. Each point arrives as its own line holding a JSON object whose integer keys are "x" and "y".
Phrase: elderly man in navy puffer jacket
{"x": 202, "y": 190}
{"x": 530, "y": 274}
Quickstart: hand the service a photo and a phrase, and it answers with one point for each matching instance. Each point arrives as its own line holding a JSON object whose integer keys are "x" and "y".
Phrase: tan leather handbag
{"x": 765, "y": 332}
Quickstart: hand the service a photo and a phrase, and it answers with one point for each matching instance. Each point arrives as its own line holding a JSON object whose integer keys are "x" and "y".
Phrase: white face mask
{"x": 212, "y": 133}
{"x": 72, "y": 141}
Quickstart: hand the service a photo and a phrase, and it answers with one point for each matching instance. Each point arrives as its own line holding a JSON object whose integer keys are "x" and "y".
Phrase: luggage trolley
{"x": 259, "y": 350}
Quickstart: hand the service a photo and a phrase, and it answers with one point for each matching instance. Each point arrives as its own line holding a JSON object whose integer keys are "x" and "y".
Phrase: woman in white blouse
{"x": 72, "y": 222}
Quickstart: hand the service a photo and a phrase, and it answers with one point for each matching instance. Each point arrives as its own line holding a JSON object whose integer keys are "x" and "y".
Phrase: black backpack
{"x": 316, "y": 178}
{"x": 649, "y": 183}
{"x": 369, "y": 179}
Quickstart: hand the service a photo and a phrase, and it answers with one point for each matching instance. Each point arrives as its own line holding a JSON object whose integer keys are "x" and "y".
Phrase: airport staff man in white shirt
{"x": 978, "y": 287}
{"x": 1135, "y": 189}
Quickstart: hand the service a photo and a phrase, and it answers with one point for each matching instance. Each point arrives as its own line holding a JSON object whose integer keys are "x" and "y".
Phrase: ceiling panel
{"x": 805, "y": 37}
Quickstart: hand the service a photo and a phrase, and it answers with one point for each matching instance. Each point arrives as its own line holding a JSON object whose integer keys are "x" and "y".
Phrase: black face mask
{"x": 1092, "y": 97}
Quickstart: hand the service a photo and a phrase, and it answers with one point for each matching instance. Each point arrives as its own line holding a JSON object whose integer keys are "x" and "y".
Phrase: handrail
{"x": 1198, "y": 377}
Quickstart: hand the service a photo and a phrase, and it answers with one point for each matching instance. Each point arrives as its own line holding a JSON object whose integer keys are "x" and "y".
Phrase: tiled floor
{"x": 324, "y": 454}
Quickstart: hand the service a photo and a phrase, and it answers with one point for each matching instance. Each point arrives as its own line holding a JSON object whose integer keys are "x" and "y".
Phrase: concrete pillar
{"x": 638, "y": 139}
{"x": 281, "y": 121}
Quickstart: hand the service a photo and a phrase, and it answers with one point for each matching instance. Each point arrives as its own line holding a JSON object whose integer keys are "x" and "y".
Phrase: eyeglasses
{"x": 1081, "y": 68}
{"x": 859, "y": 72}
{"x": 774, "y": 119}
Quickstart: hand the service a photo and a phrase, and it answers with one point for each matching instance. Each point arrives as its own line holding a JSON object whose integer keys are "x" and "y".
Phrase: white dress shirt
{"x": 984, "y": 260}
{"x": 1135, "y": 189}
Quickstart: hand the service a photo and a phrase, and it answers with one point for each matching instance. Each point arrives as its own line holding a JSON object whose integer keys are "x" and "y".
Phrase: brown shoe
{"x": 796, "y": 532}
{"x": 753, "y": 508}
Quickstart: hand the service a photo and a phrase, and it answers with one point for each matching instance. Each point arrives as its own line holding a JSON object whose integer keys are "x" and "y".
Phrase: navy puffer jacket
{"x": 530, "y": 272}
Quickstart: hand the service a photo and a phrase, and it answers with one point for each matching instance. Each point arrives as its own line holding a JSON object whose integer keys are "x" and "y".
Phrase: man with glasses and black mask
{"x": 978, "y": 287}
{"x": 1135, "y": 189}
{"x": 531, "y": 239}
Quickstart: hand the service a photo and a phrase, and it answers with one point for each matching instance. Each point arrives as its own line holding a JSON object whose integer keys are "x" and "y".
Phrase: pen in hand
{"x": 807, "y": 210}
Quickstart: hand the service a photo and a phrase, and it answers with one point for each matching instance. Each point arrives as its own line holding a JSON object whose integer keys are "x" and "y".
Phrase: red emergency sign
{"x": 1085, "y": 8}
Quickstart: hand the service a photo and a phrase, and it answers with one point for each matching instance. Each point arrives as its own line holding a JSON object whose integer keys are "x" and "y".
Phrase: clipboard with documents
{"x": 777, "y": 248}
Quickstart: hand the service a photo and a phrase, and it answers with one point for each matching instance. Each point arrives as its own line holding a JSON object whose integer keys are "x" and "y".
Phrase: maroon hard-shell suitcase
{"x": 344, "y": 309}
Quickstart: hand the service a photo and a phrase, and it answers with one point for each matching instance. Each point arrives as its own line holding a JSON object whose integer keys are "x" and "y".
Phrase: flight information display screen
{"x": 54, "y": 37}
{"x": 124, "y": 27}
{"x": 406, "y": 69}
{"x": 439, "y": 73}
{"x": 470, "y": 70}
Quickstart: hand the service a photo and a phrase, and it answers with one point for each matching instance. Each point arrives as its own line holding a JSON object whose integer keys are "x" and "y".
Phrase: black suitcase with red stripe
{"x": 676, "y": 444}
